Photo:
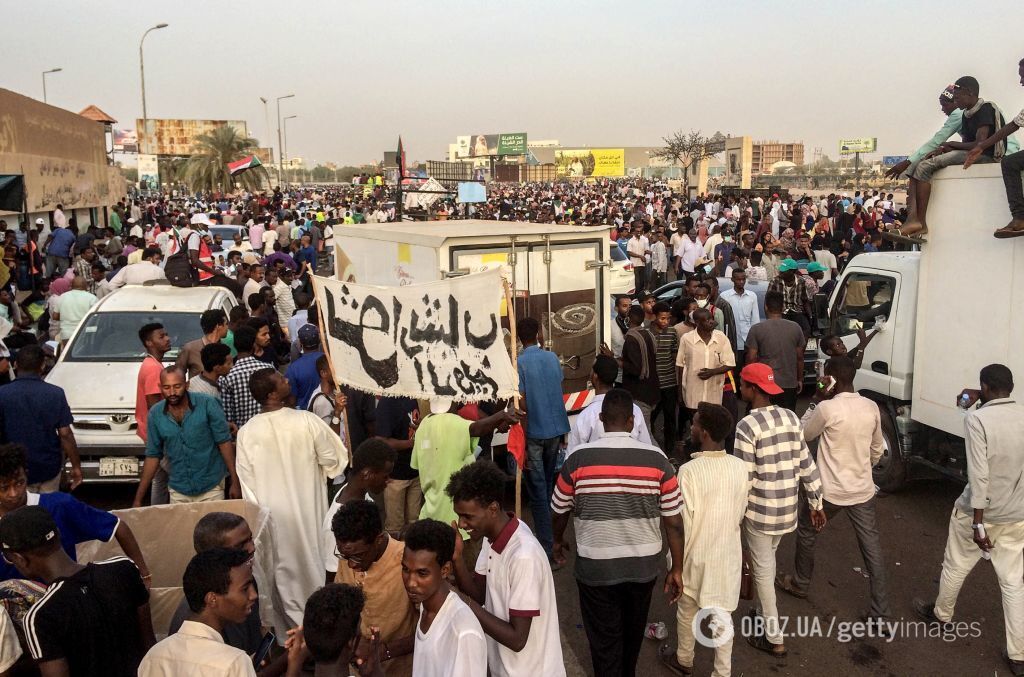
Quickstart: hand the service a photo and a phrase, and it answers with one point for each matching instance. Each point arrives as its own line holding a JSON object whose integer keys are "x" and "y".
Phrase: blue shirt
{"x": 540, "y": 379}
{"x": 61, "y": 242}
{"x": 76, "y": 521}
{"x": 31, "y": 412}
{"x": 307, "y": 254}
{"x": 191, "y": 446}
{"x": 304, "y": 378}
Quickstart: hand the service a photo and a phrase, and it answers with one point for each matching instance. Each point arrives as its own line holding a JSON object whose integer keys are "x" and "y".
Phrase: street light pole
{"x": 142, "y": 70}
{"x": 286, "y": 119}
{"x": 45, "y": 73}
{"x": 280, "y": 147}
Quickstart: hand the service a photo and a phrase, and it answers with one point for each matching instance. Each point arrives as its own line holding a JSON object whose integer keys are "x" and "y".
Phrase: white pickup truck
{"x": 949, "y": 310}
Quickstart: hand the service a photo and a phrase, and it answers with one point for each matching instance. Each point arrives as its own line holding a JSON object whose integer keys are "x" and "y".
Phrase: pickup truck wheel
{"x": 891, "y": 471}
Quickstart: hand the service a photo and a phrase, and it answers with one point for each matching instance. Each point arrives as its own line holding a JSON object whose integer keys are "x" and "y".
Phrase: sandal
{"x": 667, "y": 656}
{"x": 784, "y": 582}
{"x": 761, "y": 643}
{"x": 1006, "y": 232}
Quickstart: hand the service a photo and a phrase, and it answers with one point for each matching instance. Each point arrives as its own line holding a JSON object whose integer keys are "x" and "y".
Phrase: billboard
{"x": 893, "y": 160}
{"x": 149, "y": 172}
{"x": 175, "y": 137}
{"x": 126, "y": 141}
{"x": 739, "y": 161}
{"x": 866, "y": 144}
{"x": 512, "y": 144}
{"x": 590, "y": 162}
{"x": 62, "y": 155}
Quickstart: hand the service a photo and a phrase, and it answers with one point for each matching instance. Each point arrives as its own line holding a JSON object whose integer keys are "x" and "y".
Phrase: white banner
{"x": 439, "y": 339}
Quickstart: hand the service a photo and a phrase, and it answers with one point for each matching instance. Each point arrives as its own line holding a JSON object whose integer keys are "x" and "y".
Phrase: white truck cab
{"x": 948, "y": 310}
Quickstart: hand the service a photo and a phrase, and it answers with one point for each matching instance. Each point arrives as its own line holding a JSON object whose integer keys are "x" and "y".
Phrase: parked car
{"x": 99, "y": 366}
{"x": 673, "y": 290}
{"x": 620, "y": 273}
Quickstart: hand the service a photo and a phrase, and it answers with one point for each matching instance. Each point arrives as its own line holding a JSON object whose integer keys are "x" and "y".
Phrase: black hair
{"x": 432, "y": 536}
{"x": 211, "y": 319}
{"x": 238, "y": 313}
{"x": 527, "y": 328}
{"x": 256, "y": 300}
{"x": 209, "y": 530}
{"x": 716, "y": 420}
{"x": 30, "y": 358}
{"x": 774, "y": 301}
{"x": 357, "y": 521}
{"x": 331, "y": 620}
{"x": 617, "y": 406}
{"x": 842, "y": 368}
{"x": 261, "y": 384}
{"x": 968, "y": 84}
{"x": 662, "y": 307}
{"x": 482, "y": 481}
{"x": 147, "y": 331}
{"x": 213, "y": 355}
{"x": 637, "y": 313}
{"x": 998, "y": 377}
{"x": 374, "y": 454}
{"x": 648, "y": 296}
{"x": 13, "y": 457}
{"x": 245, "y": 338}
{"x": 210, "y": 571}
{"x": 829, "y": 339}
{"x": 606, "y": 369}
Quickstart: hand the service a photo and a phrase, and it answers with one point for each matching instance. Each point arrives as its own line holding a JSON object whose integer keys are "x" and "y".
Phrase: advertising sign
{"x": 590, "y": 162}
{"x": 893, "y": 160}
{"x": 512, "y": 144}
{"x": 125, "y": 141}
{"x": 175, "y": 137}
{"x": 862, "y": 145}
{"x": 149, "y": 172}
{"x": 438, "y": 339}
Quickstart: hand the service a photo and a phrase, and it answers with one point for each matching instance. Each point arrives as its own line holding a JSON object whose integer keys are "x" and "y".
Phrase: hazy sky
{"x": 599, "y": 73}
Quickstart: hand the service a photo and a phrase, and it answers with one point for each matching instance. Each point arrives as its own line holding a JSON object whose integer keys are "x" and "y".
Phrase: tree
{"x": 207, "y": 169}
{"x": 686, "y": 149}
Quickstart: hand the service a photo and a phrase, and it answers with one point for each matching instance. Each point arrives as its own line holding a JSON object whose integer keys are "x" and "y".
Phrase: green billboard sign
{"x": 512, "y": 144}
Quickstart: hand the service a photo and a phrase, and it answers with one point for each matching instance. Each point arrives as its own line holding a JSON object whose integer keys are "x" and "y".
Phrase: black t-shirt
{"x": 361, "y": 416}
{"x": 985, "y": 117}
{"x": 91, "y": 620}
{"x": 393, "y": 422}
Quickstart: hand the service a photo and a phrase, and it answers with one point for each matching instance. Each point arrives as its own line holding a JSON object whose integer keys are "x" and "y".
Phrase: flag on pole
{"x": 239, "y": 166}
{"x": 401, "y": 160}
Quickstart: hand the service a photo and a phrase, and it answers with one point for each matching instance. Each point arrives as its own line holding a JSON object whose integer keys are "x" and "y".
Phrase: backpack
{"x": 178, "y": 266}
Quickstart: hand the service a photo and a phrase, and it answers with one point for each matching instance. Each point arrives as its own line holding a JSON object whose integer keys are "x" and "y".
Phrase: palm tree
{"x": 207, "y": 169}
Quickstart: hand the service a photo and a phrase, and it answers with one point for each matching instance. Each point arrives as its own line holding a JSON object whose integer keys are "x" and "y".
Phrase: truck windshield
{"x": 114, "y": 337}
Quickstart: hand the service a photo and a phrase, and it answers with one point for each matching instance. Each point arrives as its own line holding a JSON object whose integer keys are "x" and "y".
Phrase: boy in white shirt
{"x": 512, "y": 592}
{"x": 449, "y": 640}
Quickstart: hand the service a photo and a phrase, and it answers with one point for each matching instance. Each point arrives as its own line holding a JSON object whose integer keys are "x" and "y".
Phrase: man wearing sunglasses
{"x": 371, "y": 560}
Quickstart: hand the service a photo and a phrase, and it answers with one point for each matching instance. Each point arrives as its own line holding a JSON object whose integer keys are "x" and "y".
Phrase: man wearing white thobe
{"x": 283, "y": 458}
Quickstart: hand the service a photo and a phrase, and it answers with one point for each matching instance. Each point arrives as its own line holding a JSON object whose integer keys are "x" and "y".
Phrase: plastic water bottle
{"x": 656, "y": 631}
{"x": 985, "y": 554}
{"x": 965, "y": 401}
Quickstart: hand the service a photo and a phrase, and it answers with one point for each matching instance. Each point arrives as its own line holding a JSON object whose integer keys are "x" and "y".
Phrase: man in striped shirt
{"x": 771, "y": 442}
{"x": 666, "y": 342}
{"x": 622, "y": 492}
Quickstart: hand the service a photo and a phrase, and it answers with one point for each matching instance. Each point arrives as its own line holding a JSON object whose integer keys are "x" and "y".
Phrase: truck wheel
{"x": 891, "y": 472}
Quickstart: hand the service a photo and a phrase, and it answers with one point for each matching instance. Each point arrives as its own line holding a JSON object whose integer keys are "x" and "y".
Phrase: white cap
{"x": 440, "y": 405}
{"x": 40, "y": 222}
{"x": 202, "y": 219}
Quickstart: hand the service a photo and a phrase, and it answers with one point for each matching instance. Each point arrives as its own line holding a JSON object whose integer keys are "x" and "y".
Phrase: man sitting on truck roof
{"x": 981, "y": 119}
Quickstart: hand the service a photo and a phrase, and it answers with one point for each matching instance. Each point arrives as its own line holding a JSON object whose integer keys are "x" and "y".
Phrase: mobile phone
{"x": 266, "y": 643}
{"x": 827, "y": 384}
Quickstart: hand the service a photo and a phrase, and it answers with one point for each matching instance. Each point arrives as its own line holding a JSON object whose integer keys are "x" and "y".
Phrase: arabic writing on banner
{"x": 439, "y": 339}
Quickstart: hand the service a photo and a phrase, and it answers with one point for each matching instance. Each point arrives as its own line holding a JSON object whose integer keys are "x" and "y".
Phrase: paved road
{"x": 913, "y": 527}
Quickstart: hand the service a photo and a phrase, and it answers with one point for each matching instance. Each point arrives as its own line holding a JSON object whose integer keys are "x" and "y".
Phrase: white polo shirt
{"x": 519, "y": 583}
{"x": 454, "y": 646}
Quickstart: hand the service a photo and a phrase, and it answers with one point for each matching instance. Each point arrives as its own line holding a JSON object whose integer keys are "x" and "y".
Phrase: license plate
{"x": 119, "y": 467}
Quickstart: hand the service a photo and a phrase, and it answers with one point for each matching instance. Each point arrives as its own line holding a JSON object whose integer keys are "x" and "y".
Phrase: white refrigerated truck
{"x": 950, "y": 309}
{"x": 558, "y": 274}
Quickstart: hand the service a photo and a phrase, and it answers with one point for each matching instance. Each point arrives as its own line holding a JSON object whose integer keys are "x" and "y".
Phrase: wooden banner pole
{"x": 511, "y": 310}
{"x": 325, "y": 345}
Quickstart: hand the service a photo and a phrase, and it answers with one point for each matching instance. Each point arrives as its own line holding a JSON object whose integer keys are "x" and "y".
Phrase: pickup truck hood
{"x": 97, "y": 386}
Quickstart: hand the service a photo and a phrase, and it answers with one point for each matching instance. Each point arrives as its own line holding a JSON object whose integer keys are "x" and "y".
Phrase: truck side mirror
{"x": 820, "y": 303}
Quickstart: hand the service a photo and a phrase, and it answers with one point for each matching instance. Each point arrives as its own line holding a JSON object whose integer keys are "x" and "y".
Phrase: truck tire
{"x": 891, "y": 471}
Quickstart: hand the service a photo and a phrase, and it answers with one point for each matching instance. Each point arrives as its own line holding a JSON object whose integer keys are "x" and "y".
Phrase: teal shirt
{"x": 192, "y": 445}
{"x": 952, "y": 126}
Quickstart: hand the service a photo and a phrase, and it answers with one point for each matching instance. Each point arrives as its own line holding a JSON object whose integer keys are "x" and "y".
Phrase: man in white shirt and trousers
{"x": 988, "y": 518}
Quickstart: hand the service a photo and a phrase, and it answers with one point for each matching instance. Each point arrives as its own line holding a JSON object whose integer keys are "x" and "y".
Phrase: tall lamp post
{"x": 280, "y": 147}
{"x": 284, "y": 151}
{"x": 45, "y": 73}
{"x": 142, "y": 71}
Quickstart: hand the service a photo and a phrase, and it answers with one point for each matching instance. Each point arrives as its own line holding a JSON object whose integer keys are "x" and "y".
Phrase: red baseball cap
{"x": 762, "y": 376}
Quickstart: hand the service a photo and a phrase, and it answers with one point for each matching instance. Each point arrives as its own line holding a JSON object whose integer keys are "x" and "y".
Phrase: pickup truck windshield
{"x": 114, "y": 337}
